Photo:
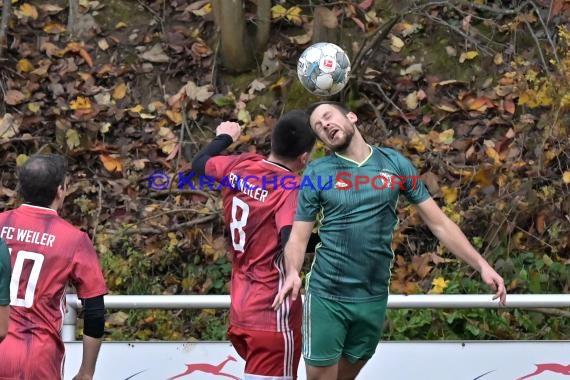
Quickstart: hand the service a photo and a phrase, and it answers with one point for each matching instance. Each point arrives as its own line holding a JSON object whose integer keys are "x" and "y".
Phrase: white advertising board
{"x": 392, "y": 361}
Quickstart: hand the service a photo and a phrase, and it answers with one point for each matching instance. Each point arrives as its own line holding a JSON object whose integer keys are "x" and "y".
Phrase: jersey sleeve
{"x": 86, "y": 272}
{"x": 5, "y": 274}
{"x": 414, "y": 188}
{"x": 219, "y": 166}
{"x": 308, "y": 204}
{"x": 285, "y": 215}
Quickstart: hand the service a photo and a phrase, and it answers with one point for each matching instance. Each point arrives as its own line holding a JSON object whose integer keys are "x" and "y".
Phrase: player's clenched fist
{"x": 229, "y": 128}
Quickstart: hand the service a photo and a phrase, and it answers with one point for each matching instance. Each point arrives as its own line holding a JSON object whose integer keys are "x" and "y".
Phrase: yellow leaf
{"x": 498, "y": 60}
{"x": 493, "y": 154}
{"x": 412, "y": 100}
{"x": 27, "y": 10}
{"x": 446, "y": 137}
{"x": 24, "y": 66}
{"x": 449, "y": 194}
{"x": 80, "y": 103}
{"x": 467, "y": 56}
{"x": 294, "y": 15}
{"x": 244, "y": 116}
{"x": 34, "y": 107}
{"x": 206, "y": 9}
{"x": 111, "y": 162}
{"x": 54, "y": 28}
{"x": 438, "y": 285}
{"x": 72, "y": 138}
{"x": 396, "y": 44}
{"x": 176, "y": 117}
{"x": 278, "y": 11}
{"x": 280, "y": 82}
{"x": 121, "y": 25}
{"x": 119, "y": 91}
{"x": 447, "y": 107}
{"x": 566, "y": 177}
{"x": 418, "y": 143}
{"x": 21, "y": 159}
{"x": 137, "y": 109}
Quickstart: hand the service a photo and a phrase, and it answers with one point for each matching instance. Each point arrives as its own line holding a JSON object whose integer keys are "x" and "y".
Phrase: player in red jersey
{"x": 47, "y": 253}
{"x": 260, "y": 197}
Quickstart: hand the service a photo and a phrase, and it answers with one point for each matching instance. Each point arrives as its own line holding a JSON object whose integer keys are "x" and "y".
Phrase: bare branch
{"x": 158, "y": 231}
{"x": 537, "y": 42}
{"x": 379, "y": 88}
{"x": 485, "y": 50}
{"x": 548, "y": 36}
{"x": 6, "y": 13}
{"x": 72, "y": 18}
{"x": 368, "y": 48}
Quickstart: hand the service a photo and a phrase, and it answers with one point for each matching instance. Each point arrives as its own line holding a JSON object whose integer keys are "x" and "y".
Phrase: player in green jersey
{"x": 347, "y": 288}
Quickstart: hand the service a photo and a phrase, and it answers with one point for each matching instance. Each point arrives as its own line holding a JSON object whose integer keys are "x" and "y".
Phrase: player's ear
{"x": 351, "y": 116}
{"x": 304, "y": 158}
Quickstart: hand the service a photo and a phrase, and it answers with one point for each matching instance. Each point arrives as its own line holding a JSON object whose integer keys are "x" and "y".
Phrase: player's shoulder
{"x": 69, "y": 230}
{"x": 321, "y": 163}
{"x": 388, "y": 152}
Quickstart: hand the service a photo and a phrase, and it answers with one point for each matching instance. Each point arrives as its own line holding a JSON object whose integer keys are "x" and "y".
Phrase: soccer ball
{"x": 323, "y": 69}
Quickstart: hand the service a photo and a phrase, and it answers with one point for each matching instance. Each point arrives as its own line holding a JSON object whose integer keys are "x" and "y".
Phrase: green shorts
{"x": 332, "y": 329}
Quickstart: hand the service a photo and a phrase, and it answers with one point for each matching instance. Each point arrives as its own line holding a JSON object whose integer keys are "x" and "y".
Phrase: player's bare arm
{"x": 294, "y": 257}
{"x": 455, "y": 240}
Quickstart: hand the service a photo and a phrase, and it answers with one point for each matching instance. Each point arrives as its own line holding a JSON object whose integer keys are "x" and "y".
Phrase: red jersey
{"x": 47, "y": 253}
{"x": 259, "y": 199}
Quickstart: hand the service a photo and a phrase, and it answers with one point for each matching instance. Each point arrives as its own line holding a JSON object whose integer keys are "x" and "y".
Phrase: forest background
{"x": 475, "y": 93}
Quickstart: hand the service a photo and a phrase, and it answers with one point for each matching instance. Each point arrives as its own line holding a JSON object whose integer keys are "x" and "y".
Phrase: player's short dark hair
{"x": 292, "y": 135}
{"x": 40, "y": 177}
{"x": 340, "y": 106}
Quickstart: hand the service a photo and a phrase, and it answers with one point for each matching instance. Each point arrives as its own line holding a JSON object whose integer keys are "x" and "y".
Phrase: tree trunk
{"x": 263, "y": 24}
{"x": 72, "y": 18}
{"x": 325, "y": 26}
{"x": 229, "y": 18}
{"x": 6, "y": 12}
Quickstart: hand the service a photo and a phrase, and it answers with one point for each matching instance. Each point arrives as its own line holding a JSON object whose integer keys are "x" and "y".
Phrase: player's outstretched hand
{"x": 229, "y": 128}
{"x": 492, "y": 278}
{"x": 291, "y": 285}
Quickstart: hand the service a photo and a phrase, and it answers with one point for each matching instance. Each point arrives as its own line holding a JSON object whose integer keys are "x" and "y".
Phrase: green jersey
{"x": 5, "y": 274}
{"x": 354, "y": 206}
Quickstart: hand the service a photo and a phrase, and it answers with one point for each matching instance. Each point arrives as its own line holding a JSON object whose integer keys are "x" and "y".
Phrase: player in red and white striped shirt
{"x": 47, "y": 253}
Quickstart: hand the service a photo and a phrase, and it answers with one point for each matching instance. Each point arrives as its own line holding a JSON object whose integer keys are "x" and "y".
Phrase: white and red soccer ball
{"x": 323, "y": 69}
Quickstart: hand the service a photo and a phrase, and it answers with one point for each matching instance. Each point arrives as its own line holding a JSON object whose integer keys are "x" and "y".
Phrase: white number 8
{"x": 28, "y": 299}
{"x": 238, "y": 225}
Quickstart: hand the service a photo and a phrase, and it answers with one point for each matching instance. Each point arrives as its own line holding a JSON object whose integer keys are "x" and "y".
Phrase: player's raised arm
{"x": 294, "y": 257}
{"x": 453, "y": 238}
{"x": 226, "y": 133}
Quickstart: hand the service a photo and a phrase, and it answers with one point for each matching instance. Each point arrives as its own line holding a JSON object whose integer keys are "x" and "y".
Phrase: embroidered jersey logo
{"x": 341, "y": 185}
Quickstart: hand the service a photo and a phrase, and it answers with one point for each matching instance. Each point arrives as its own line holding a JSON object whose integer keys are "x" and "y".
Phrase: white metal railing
{"x": 395, "y": 301}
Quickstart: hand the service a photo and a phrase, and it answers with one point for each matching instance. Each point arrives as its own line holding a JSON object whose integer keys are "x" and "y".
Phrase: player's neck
{"x": 358, "y": 150}
{"x": 285, "y": 164}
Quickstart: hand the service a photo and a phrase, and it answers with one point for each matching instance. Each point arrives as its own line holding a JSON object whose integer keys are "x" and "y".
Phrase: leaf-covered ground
{"x": 476, "y": 95}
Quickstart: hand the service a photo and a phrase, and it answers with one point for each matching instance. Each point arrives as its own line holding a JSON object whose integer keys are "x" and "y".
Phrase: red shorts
{"x": 267, "y": 353}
